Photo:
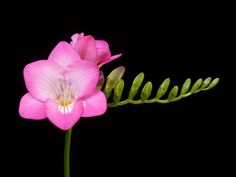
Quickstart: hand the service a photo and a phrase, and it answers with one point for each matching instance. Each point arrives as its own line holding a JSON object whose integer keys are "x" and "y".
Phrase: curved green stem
{"x": 127, "y": 101}
{"x": 67, "y": 153}
{"x": 154, "y": 100}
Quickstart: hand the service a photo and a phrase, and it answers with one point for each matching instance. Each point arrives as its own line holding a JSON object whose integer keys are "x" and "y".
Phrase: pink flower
{"x": 88, "y": 48}
{"x": 62, "y": 88}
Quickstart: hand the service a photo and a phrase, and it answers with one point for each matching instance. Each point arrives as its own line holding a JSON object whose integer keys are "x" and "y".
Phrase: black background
{"x": 185, "y": 137}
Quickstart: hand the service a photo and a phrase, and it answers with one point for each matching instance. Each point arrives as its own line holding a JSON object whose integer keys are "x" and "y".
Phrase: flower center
{"x": 66, "y": 109}
{"x": 65, "y": 96}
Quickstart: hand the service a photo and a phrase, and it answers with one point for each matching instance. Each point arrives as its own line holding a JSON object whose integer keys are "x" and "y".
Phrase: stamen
{"x": 61, "y": 88}
{"x": 65, "y": 98}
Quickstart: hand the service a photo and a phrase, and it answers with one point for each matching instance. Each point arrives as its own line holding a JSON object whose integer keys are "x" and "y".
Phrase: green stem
{"x": 110, "y": 105}
{"x": 154, "y": 100}
{"x": 67, "y": 153}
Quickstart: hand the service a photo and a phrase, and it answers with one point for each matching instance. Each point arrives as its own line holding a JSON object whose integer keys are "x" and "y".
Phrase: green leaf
{"x": 135, "y": 86}
{"x": 186, "y": 86}
{"x": 173, "y": 93}
{"x": 196, "y": 85}
{"x": 163, "y": 88}
{"x": 206, "y": 82}
{"x": 213, "y": 84}
{"x": 118, "y": 91}
{"x": 146, "y": 91}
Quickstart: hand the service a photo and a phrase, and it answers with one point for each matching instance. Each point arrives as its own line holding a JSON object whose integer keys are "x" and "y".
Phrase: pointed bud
{"x": 186, "y": 86}
{"x": 213, "y": 84}
{"x": 206, "y": 82}
{"x": 115, "y": 76}
{"x": 196, "y": 85}
{"x": 173, "y": 93}
{"x": 163, "y": 88}
{"x": 112, "y": 80}
{"x": 146, "y": 91}
{"x": 135, "y": 86}
{"x": 118, "y": 91}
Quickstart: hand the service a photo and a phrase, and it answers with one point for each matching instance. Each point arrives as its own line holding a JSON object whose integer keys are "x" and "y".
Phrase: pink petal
{"x": 101, "y": 44}
{"x": 31, "y": 108}
{"x": 83, "y": 76}
{"x": 94, "y": 105}
{"x": 86, "y": 48}
{"x": 103, "y": 54}
{"x": 63, "y": 54}
{"x": 102, "y": 50}
{"x": 107, "y": 60}
{"x": 76, "y": 37}
{"x": 41, "y": 79}
{"x": 63, "y": 118}
{"x": 115, "y": 56}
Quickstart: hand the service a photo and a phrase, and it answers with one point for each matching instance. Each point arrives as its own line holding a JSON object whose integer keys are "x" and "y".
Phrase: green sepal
{"x": 101, "y": 80}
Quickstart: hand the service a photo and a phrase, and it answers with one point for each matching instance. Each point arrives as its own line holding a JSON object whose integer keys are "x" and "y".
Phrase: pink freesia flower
{"x": 88, "y": 48}
{"x": 62, "y": 88}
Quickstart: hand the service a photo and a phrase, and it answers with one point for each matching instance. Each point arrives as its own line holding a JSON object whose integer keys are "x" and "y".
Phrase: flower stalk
{"x": 67, "y": 153}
